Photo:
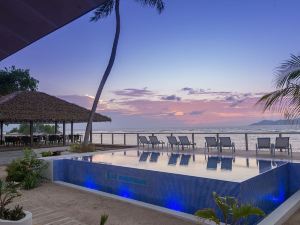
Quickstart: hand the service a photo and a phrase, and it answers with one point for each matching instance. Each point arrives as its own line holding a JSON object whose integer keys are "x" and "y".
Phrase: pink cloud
{"x": 230, "y": 110}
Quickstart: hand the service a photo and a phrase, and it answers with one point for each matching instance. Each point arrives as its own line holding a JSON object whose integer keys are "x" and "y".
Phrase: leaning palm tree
{"x": 101, "y": 12}
{"x": 286, "y": 98}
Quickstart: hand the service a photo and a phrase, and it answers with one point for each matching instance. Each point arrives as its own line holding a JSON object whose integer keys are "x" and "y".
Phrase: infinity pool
{"x": 223, "y": 168}
{"x": 180, "y": 181}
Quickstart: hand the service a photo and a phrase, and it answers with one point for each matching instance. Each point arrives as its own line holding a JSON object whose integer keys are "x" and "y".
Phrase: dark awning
{"x": 22, "y": 22}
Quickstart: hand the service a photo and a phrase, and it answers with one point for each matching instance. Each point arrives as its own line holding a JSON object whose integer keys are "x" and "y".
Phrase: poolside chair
{"x": 263, "y": 143}
{"x": 212, "y": 162}
{"x": 226, "y": 163}
{"x": 173, "y": 159}
{"x": 143, "y": 141}
{"x": 154, "y": 156}
{"x": 225, "y": 142}
{"x": 184, "y": 160}
{"x": 173, "y": 141}
{"x": 184, "y": 141}
{"x": 155, "y": 142}
{"x": 283, "y": 143}
{"x": 264, "y": 165}
{"x": 144, "y": 156}
{"x": 211, "y": 142}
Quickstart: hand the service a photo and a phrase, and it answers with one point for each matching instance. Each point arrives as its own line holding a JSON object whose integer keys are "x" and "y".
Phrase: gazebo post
{"x": 55, "y": 127}
{"x": 72, "y": 132}
{"x": 1, "y": 133}
{"x": 31, "y": 132}
{"x": 64, "y": 132}
{"x": 91, "y": 134}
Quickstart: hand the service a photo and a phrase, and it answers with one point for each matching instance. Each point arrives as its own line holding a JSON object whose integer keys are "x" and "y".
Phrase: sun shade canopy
{"x": 31, "y": 106}
{"x": 23, "y": 22}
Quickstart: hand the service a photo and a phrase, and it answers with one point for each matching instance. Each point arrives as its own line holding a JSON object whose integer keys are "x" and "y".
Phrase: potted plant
{"x": 15, "y": 215}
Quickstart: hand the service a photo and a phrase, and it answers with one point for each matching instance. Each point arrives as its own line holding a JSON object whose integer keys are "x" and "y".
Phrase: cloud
{"x": 171, "y": 98}
{"x": 192, "y": 91}
{"x": 200, "y": 91}
{"x": 133, "y": 92}
{"x": 231, "y": 109}
{"x": 196, "y": 113}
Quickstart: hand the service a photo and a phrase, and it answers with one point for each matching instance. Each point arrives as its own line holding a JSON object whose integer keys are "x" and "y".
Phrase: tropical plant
{"x": 231, "y": 210}
{"x": 78, "y": 148}
{"x": 101, "y": 12}
{"x": 103, "y": 219}
{"x": 8, "y": 192}
{"x": 286, "y": 98}
{"x": 27, "y": 171}
{"x": 13, "y": 79}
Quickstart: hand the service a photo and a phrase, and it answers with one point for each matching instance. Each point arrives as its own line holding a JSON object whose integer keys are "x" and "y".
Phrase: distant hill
{"x": 276, "y": 122}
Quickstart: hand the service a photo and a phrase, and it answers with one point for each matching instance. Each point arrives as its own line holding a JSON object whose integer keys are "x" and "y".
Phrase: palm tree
{"x": 101, "y": 12}
{"x": 286, "y": 98}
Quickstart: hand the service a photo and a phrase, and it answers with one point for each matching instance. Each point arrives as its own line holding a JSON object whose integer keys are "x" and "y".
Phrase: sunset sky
{"x": 200, "y": 63}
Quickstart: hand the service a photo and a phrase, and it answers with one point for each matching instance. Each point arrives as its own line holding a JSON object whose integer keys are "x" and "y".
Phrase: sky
{"x": 200, "y": 63}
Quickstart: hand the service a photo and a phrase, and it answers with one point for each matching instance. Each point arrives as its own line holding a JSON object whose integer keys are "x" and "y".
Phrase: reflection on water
{"x": 223, "y": 168}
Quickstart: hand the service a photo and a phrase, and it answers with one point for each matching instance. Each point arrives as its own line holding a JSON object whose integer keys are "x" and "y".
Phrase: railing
{"x": 243, "y": 140}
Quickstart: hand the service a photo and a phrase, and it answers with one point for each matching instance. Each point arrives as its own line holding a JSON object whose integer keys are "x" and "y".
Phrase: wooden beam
{"x": 55, "y": 127}
{"x": 64, "y": 133}
{"x": 31, "y": 132}
{"x": 1, "y": 133}
{"x": 72, "y": 132}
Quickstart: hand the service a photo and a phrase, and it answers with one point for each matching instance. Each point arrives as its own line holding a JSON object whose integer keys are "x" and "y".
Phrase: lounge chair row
{"x": 281, "y": 143}
{"x": 220, "y": 143}
{"x": 172, "y": 141}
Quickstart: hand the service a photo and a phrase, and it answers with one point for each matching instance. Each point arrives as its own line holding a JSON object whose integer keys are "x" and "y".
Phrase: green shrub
{"x": 103, "y": 219}
{"x": 78, "y": 148}
{"x": 27, "y": 171}
{"x": 47, "y": 154}
{"x": 8, "y": 192}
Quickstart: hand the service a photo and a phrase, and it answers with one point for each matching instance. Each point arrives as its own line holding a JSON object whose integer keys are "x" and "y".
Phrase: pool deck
{"x": 53, "y": 204}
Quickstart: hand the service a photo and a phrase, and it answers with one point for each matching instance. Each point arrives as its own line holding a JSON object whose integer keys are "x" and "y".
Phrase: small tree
{"x": 232, "y": 211}
{"x": 13, "y": 79}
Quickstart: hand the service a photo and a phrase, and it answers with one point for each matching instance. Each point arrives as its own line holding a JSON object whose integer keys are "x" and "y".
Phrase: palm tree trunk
{"x": 106, "y": 73}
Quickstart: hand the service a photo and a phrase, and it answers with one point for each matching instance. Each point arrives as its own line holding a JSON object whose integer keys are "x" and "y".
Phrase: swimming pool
{"x": 182, "y": 182}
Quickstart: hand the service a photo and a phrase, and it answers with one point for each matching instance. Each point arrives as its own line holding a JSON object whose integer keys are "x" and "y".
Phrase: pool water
{"x": 223, "y": 168}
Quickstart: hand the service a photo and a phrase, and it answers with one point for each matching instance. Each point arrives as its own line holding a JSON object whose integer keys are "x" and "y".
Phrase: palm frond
{"x": 208, "y": 214}
{"x": 103, "y": 10}
{"x": 158, "y": 4}
{"x": 285, "y": 101}
{"x": 288, "y": 72}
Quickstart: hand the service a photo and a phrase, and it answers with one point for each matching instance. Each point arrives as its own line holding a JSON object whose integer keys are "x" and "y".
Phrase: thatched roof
{"x": 26, "y": 106}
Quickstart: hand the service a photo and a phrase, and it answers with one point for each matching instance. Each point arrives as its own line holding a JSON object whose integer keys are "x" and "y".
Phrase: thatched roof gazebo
{"x": 37, "y": 107}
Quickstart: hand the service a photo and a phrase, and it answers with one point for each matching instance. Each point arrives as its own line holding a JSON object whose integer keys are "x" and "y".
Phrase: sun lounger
{"x": 184, "y": 160}
{"x": 212, "y": 162}
{"x": 173, "y": 141}
{"x": 173, "y": 159}
{"x": 225, "y": 142}
{"x": 283, "y": 143}
{"x": 155, "y": 142}
{"x": 211, "y": 142}
{"x": 263, "y": 143}
{"x": 184, "y": 141}
{"x": 144, "y": 156}
{"x": 144, "y": 141}
{"x": 154, "y": 156}
{"x": 226, "y": 163}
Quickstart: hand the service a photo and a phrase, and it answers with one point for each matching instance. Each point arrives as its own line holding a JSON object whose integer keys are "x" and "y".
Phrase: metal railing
{"x": 243, "y": 140}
